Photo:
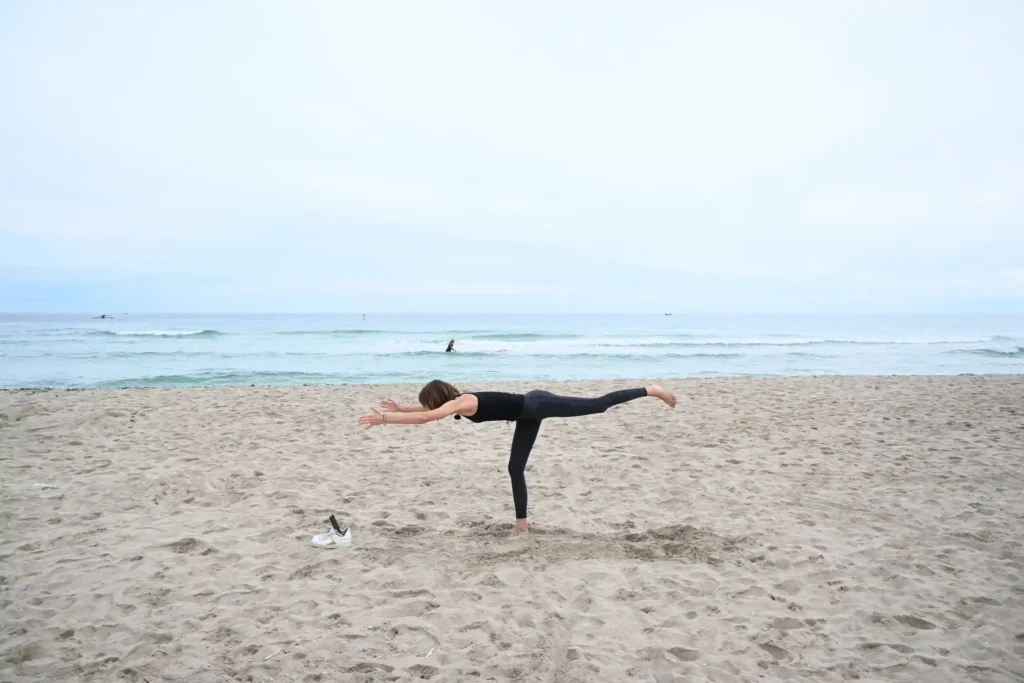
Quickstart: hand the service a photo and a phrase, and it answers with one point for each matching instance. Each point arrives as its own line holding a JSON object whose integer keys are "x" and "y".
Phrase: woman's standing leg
{"x": 522, "y": 443}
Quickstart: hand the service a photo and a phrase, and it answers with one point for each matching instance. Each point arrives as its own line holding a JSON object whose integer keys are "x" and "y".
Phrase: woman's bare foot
{"x": 662, "y": 393}
{"x": 520, "y": 527}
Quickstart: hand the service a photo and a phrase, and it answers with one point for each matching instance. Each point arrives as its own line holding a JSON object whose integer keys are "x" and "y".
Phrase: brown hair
{"x": 436, "y": 393}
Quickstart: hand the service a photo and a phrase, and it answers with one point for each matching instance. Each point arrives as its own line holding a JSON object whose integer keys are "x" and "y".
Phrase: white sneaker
{"x": 332, "y": 539}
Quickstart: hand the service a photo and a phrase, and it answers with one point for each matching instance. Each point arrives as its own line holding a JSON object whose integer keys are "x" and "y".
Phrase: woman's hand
{"x": 372, "y": 419}
{"x": 390, "y": 405}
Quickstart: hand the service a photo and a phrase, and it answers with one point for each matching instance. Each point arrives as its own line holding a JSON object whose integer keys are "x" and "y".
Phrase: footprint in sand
{"x": 915, "y": 622}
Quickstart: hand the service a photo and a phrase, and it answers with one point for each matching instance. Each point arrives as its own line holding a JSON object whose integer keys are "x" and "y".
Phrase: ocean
{"x": 220, "y": 350}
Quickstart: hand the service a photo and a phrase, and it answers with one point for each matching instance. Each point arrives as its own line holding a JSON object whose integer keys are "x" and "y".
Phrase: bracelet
{"x": 384, "y": 418}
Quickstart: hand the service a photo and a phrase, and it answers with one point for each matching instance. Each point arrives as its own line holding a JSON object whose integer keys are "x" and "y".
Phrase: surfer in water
{"x": 438, "y": 400}
{"x": 451, "y": 346}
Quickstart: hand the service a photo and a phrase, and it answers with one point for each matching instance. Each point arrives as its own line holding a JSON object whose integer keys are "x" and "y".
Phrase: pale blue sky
{"x": 531, "y": 156}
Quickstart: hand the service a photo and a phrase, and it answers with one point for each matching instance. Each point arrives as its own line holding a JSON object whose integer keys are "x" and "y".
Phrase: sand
{"x": 808, "y": 529}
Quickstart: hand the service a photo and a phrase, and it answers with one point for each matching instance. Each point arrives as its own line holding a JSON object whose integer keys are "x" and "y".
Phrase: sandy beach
{"x": 800, "y": 529}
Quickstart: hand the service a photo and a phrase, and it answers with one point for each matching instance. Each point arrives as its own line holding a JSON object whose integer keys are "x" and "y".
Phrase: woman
{"x": 451, "y": 346}
{"x": 439, "y": 400}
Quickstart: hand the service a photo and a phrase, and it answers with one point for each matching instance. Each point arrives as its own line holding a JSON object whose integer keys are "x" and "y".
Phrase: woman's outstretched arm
{"x": 378, "y": 418}
{"x": 393, "y": 406}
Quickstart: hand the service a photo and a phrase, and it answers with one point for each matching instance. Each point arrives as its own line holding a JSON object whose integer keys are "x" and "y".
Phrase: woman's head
{"x": 436, "y": 393}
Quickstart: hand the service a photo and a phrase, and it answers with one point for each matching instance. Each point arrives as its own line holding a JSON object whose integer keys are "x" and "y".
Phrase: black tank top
{"x": 496, "y": 405}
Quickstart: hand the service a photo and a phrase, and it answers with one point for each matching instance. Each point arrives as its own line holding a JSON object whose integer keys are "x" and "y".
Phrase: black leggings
{"x": 539, "y": 405}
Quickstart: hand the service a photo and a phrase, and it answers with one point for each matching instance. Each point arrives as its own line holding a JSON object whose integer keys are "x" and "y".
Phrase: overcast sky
{"x": 530, "y": 156}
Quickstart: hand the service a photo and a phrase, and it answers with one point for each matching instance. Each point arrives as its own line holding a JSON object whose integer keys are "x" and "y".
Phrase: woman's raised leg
{"x": 542, "y": 404}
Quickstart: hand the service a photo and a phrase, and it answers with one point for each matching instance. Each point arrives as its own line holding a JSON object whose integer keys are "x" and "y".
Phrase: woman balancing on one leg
{"x": 439, "y": 400}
